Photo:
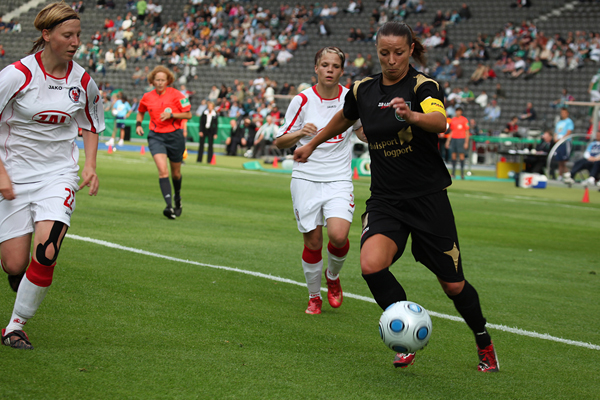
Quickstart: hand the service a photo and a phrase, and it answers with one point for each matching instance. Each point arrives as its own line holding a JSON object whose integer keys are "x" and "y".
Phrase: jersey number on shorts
{"x": 70, "y": 199}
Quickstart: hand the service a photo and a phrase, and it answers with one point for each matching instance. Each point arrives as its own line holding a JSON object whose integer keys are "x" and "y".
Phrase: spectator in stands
{"x": 512, "y": 127}
{"x": 519, "y": 67}
{"x": 561, "y": 101}
{"x": 492, "y": 111}
{"x": 141, "y": 7}
{"x": 529, "y": 114}
{"x": 2, "y": 52}
{"x": 465, "y": 12}
{"x": 590, "y": 162}
{"x": 564, "y": 127}
{"x": 536, "y": 163}
{"x": 323, "y": 29}
{"x": 594, "y": 87}
{"x": 482, "y": 99}
{"x": 264, "y": 138}
{"x": 500, "y": 93}
{"x": 534, "y": 68}
{"x": 352, "y": 8}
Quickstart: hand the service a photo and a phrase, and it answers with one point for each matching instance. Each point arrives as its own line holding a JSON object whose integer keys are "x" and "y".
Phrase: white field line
{"x": 516, "y": 331}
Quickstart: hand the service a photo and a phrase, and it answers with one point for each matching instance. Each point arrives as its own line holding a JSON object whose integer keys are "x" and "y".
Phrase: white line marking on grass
{"x": 530, "y": 200}
{"x": 516, "y": 331}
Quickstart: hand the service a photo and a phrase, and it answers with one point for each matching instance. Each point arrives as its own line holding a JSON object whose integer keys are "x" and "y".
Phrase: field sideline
{"x": 211, "y": 305}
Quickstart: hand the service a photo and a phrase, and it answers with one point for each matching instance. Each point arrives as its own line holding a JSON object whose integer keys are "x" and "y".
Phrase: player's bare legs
{"x": 337, "y": 249}
{"x": 36, "y": 282}
{"x": 312, "y": 264}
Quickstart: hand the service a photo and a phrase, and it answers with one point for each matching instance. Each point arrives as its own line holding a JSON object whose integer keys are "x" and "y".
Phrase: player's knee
{"x": 14, "y": 265}
{"x": 452, "y": 288}
{"x": 338, "y": 240}
{"x": 47, "y": 253}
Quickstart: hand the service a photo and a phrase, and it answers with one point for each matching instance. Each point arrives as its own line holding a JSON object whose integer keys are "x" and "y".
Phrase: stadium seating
{"x": 550, "y": 16}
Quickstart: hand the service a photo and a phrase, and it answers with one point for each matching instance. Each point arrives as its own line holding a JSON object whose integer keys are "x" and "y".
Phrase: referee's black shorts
{"x": 171, "y": 143}
{"x": 430, "y": 222}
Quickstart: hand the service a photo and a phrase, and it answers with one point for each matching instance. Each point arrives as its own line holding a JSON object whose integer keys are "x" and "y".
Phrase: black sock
{"x": 165, "y": 188}
{"x": 468, "y": 306}
{"x": 385, "y": 288}
{"x": 177, "y": 188}
{"x": 453, "y": 167}
{"x": 462, "y": 167}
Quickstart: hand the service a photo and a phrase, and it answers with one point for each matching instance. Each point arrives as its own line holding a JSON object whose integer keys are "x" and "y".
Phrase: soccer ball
{"x": 405, "y": 327}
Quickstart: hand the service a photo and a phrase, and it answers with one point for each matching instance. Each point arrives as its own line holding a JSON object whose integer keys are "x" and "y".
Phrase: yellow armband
{"x": 431, "y": 104}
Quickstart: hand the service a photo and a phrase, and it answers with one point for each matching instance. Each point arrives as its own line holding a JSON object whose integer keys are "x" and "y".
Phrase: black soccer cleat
{"x": 178, "y": 208}
{"x": 16, "y": 340}
{"x": 15, "y": 280}
{"x": 169, "y": 213}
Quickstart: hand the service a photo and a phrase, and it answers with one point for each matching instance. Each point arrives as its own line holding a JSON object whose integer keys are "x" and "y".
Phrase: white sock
{"x": 29, "y": 298}
{"x": 334, "y": 265}
{"x": 312, "y": 273}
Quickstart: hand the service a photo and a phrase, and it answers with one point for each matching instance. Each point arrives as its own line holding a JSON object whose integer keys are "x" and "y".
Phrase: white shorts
{"x": 315, "y": 202}
{"x": 51, "y": 200}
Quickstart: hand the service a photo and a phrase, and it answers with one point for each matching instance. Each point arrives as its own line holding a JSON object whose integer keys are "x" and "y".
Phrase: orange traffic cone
{"x": 586, "y": 195}
{"x": 355, "y": 176}
{"x": 213, "y": 161}
{"x": 143, "y": 150}
{"x": 275, "y": 163}
{"x": 110, "y": 149}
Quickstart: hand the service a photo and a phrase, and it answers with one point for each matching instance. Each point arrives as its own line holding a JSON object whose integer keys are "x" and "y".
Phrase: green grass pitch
{"x": 147, "y": 308}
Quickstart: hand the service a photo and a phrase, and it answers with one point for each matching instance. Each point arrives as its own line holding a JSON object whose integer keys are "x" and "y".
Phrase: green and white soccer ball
{"x": 405, "y": 327}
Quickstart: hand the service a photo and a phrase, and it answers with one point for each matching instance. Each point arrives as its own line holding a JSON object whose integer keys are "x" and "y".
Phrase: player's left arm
{"x": 88, "y": 175}
{"x": 431, "y": 99}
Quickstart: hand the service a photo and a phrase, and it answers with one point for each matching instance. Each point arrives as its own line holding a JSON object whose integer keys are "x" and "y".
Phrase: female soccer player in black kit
{"x": 402, "y": 112}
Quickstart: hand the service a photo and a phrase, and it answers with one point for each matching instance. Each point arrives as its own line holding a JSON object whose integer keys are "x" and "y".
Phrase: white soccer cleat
{"x": 121, "y": 142}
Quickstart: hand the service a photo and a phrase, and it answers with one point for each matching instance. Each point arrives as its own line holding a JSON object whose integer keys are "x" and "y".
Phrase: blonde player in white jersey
{"x": 322, "y": 189}
{"x": 45, "y": 98}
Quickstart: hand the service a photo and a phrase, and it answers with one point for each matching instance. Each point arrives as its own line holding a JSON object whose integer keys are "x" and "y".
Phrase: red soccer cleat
{"x": 314, "y": 305}
{"x": 488, "y": 361}
{"x": 16, "y": 339}
{"x": 403, "y": 360}
{"x": 334, "y": 292}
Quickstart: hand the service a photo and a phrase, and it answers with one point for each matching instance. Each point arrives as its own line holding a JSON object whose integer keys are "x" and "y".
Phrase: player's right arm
{"x": 337, "y": 125}
{"x": 14, "y": 78}
{"x": 140, "y": 117}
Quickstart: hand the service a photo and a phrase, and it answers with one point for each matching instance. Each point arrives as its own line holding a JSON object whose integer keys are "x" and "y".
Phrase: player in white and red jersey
{"x": 322, "y": 189}
{"x": 45, "y": 98}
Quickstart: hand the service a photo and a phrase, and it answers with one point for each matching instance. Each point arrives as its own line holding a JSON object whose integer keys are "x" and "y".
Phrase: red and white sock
{"x": 312, "y": 264}
{"x": 335, "y": 259}
{"x": 31, "y": 293}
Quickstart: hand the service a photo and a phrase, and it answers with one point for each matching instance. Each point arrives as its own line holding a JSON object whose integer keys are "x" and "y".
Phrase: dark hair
{"x": 401, "y": 29}
{"x": 330, "y": 49}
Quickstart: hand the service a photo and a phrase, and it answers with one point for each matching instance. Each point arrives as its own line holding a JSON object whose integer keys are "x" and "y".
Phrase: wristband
{"x": 138, "y": 124}
{"x": 171, "y": 115}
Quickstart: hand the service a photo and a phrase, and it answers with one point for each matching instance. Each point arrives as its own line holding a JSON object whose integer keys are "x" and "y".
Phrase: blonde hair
{"x": 333, "y": 50}
{"x": 165, "y": 70}
{"x": 49, "y": 18}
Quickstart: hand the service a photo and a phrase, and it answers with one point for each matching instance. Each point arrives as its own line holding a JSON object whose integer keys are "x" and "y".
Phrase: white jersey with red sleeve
{"x": 332, "y": 160}
{"x": 40, "y": 116}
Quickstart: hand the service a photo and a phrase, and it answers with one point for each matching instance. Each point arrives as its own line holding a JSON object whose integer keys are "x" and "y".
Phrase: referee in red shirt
{"x": 167, "y": 108}
{"x": 458, "y": 141}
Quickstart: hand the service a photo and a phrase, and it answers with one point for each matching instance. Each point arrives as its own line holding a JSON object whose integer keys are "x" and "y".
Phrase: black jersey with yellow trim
{"x": 405, "y": 161}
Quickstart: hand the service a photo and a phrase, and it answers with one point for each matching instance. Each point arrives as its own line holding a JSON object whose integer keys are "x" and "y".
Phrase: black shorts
{"x": 171, "y": 143}
{"x": 121, "y": 125}
{"x": 430, "y": 222}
